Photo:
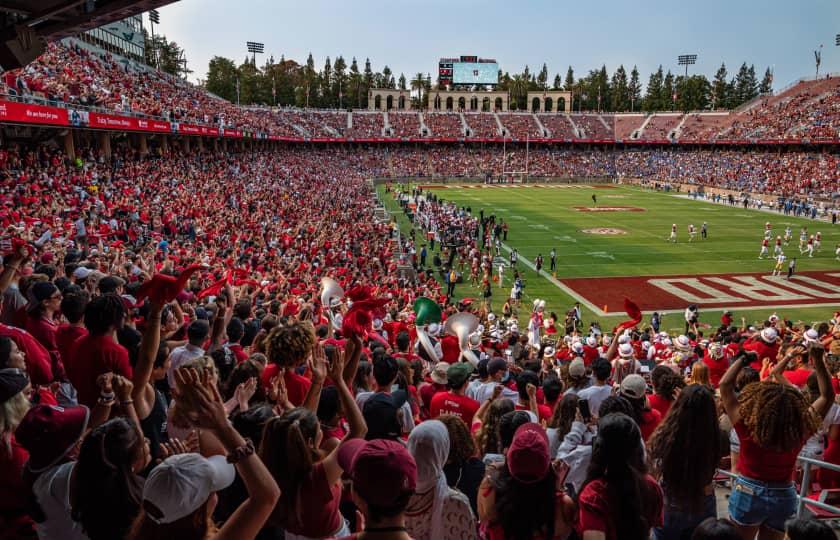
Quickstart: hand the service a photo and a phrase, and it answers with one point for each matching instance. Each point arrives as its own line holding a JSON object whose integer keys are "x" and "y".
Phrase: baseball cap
{"x": 81, "y": 272}
{"x": 633, "y": 386}
{"x": 48, "y": 432}
{"x": 769, "y": 334}
{"x": 383, "y": 472}
{"x": 811, "y": 336}
{"x": 577, "y": 368}
{"x": 625, "y": 350}
{"x": 528, "y": 458}
{"x": 496, "y": 365}
{"x": 12, "y": 382}
{"x": 458, "y": 374}
{"x": 381, "y": 414}
{"x": 438, "y": 374}
{"x": 182, "y": 483}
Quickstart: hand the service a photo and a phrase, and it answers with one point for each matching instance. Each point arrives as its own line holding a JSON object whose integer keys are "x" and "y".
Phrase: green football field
{"x": 544, "y": 217}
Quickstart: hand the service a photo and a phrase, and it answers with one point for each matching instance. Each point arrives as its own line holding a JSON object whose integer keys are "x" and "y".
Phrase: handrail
{"x": 801, "y": 497}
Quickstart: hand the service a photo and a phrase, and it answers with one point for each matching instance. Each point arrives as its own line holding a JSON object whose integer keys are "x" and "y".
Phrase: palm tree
{"x": 519, "y": 90}
{"x": 418, "y": 83}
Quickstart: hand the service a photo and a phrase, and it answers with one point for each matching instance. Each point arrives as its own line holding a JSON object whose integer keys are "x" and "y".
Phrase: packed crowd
{"x": 257, "y": 366}
{"x": 366, "y": 125}
{"x": 521, "y": 126}
{"x": 404, "y": 124}
{"x": 444, "y": 125}
{"x": 558, "y": 126}
{"x": 71, "y": 74}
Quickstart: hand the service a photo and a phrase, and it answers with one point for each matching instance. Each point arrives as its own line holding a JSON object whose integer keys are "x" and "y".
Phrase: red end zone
{"x": 731, "y": 291}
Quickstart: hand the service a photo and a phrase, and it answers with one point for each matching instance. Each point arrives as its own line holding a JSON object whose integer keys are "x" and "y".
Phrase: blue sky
{"x": 411, "y": 36}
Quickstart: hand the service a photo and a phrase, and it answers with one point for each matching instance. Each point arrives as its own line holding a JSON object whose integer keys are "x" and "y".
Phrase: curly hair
{"x": 689, "y": 433}
{"x": 288, "y": 345}
{"x": 461, "y": 443}
{"x": 487, "y": 437}
{"x": 778, "y": 416}
{"x": 665, "y": 382}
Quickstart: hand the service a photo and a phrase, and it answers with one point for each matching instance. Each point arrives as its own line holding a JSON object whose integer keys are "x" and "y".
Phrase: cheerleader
{"x": 551, "y": 324}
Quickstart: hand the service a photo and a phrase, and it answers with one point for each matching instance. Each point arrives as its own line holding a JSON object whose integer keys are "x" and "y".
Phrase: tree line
{"x": 339, "y": 85}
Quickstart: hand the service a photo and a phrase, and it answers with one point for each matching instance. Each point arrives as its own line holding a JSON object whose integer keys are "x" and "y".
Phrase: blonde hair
{"x": 12, "y": 412}
{"x": 699, "y": 374}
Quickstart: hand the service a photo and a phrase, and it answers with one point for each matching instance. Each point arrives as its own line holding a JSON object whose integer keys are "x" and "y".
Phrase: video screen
{"x": 475, "y": 73}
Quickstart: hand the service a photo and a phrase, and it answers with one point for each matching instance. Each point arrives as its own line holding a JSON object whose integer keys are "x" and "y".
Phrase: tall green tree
{"x": 542, "y": 78}
{"x": 368, "y": 79}
{"x": 402, "y": 82}
{"x": 653, "y": 93}
{"x": 766, "y": 86}
{"x": 669, "y": 93}
{"x": 418, "y": 88}
{"x": 221, "y": 78}
{"x": 569, "y": 84}
{"x": 634, "y": 89}
{"x": 693, "y": 93}
{"x": 720, "y": 89}
{"x": 558, "y": 83}
{"x": 620, "y": 90}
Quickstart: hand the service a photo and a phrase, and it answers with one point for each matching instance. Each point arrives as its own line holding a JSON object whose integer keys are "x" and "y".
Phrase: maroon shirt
{"x": 91, "y": 357}
{"x": 38, "y": 362}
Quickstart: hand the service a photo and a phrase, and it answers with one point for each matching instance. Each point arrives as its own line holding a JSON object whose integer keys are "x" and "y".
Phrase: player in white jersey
{"x": 768, "y": 231}
{"x": 809, "y": 249}
{"x": 803, "y": 239}
{"x": 837, "y": 252}
{"x": 673, "y": 237}
{"x": 778, "y": 247}
{"x": 780, "y": 263}
{"x": 764, "y": 249}
{"x": 817, "y": 241}
{"x": 691, "y": 232}
{"x": 788, "y": 235}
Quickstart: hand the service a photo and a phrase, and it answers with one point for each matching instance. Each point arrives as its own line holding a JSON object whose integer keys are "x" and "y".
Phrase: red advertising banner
{"x": 111, "y": 121}
{"x": 158, "y": 126}
{"x": 25, "y": 113}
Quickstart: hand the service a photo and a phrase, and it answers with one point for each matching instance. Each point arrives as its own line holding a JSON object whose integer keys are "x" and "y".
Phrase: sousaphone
{"x": 331, "y": 290}
{"x": 426, "y": 312}
{"x": 462, "y": 325}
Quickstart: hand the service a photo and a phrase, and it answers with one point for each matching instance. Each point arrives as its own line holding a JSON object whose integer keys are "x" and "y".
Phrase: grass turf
{"x": 540, "y": 218}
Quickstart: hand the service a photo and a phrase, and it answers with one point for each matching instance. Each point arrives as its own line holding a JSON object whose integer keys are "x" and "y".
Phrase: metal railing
{"x": 801, "y": 497}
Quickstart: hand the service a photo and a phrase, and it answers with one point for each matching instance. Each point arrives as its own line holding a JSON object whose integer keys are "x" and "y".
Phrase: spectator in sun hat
{"x": 520, "y": 497}
{"x": 435, "y": 383}
{"x": 383, "y": 477}
{"x": 764, "y": 344}
{"x": 51, "y": 435}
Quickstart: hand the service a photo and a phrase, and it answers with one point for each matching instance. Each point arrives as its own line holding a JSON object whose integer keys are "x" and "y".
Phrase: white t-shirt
{"x": 595, "y": 395}
{"x": 407, "y": 420}
{"x": 52, "y": 491}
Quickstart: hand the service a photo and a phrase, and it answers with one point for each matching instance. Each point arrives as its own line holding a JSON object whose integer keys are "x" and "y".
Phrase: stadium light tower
{"x": 686, "y": 60}
{"x": 154, "y": 18}
{"x": 255, "y": 48}
{"x": 818, "y": 60}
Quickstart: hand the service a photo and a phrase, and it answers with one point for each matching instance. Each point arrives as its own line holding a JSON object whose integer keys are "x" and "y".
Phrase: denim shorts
{"x": 753, "y": 503}
{"x": 680, "y": 525}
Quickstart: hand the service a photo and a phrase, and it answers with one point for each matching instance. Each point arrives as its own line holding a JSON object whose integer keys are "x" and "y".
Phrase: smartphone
{"x": 583, "y": 407}
{"x": 329, "y": 352}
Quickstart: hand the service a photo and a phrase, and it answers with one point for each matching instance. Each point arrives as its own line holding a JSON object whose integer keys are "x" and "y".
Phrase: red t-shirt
{"x": 717, "y": 368}
{"x": 238, "y": 352}
{"x": 597, "y": 509}
{"x": 12, "y": 504}
{"x": 92, "y": 356}
{"x": 660, "y": 404}
{"x": 650, "y": 420}
{"x": 449, "y": 403}
{"x": 798, "y": 377}
{"x": 66, "y": 336}
{"x": 44, "y": 331}
{"x": 763, "y": 464}
{"x": 544, "y": 412}
{"x": 450, "y": 348}
{"x": 296, "y": 385}
{"x": 427, "y": 392}
{"x": 38, "y": 363}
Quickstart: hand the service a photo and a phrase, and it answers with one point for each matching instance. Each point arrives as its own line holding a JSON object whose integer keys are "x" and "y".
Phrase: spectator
{"x": 463, "y": 469}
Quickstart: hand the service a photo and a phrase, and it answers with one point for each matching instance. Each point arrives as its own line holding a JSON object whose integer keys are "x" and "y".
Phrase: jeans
{"x": 755, "y": 503}
{"x": 680, "y": 525}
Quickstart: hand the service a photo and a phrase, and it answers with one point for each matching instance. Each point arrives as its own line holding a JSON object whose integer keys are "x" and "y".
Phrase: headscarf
{"x": 429, "y": 444}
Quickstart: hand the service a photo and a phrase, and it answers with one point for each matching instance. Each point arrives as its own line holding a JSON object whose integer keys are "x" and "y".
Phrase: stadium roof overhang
{"x": 26, "y": 25}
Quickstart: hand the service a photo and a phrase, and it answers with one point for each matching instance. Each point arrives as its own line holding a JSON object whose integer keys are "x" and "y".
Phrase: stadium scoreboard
{"x": 468, "y": 70}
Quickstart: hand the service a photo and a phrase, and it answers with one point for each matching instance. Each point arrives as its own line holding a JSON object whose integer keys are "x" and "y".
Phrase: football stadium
{"x": 580, "y": 282}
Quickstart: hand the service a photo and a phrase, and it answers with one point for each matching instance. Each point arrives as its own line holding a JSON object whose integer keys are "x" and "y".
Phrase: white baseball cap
{"x": 811, "y": 336}
{"x": 182, "y": 483}
{"x": 625, "y": 350}
{"x": 769, "y": 334}
{"x": 82, "y": 272}
{"x": 591, "y": 341}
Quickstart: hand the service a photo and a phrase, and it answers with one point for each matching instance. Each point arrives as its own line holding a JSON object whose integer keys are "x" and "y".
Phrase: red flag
{"x": 633, "y": 312}
{"x": 162, "y": 288}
